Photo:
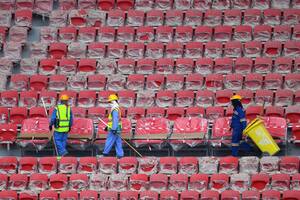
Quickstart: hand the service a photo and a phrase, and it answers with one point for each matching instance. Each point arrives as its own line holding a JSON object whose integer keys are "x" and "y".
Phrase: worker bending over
{"x": 62, "y": 120}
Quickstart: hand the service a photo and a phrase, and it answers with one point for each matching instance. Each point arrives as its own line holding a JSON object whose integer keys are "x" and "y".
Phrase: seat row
{"x": 144, "y": 195}
{"x": 189, "y": 166}
{"x": 43, "y": 7}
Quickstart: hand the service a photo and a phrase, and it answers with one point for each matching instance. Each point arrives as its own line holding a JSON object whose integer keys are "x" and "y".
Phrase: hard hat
{"x": 236, "y": 97}
{"x": 112, "y": 97}
{"x": 64, "y": 97}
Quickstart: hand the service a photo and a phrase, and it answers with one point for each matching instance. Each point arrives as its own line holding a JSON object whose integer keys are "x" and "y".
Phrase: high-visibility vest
{"x": 109, "y": 124}
{"x": 63, "y": 115}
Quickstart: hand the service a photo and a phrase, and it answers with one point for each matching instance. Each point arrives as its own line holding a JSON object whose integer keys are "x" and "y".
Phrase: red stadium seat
{"x": 193, "y": 82}
{"x": 184, "y": 66}
{"x": 262, "y": 33}
{"x": 213, "y": 49}
{"x": 8, "y": 165}
{"x": 49, "y": 98}
{"x": 136, "y": 17}
{"x": 178, "y": 182}
{"x": 167, "y": 194}
{"x": 198, "y": 182}
{"x": 155, "y": 18}
{"x": 283, "y": 65}
{"x": 76, "y": 50}
{"x": 205, "y": 98}
{"x": 195, "y": 112}
{"x": 280, "y": 182}
{"x": 87, "y": 66}
{"x": 296, "y": 32}
{"x": 264, "y": 97}
{"x": 214, "y": 82}
{"x": 96, "y": 82}
{"x": 135, "y": 50}
{"x": 214, "y": 112}
{"x": 204, "y": 66}
{"x": 292, "y": 114}
{"x": 230, "y": 194}
{"x": 185, "y": 98}
{"x": 58, "y": 18}
{"x": 233, "y": 17}
{"x": 67, "y": 34}
{"x": 188, "y": 165}
{"x": 48, "y": 66}
{"x": 86, "y": 194}
{"x": 272, "y": 16}
{"x": 19, "y": 82}
{"x": 223, "y": 97}
{"x": 87, "y": 165}
{"x": 252, "y": 17}
{"x": 145, "y": 34}
{"x": 87, "y": 4}
{"x": 23, "y": 17}
{"x": 290, "y": 194}
{"x": 38, "y": 182}
{"x": 259, "y": 182}
{"x": 126, "y": 65}
{"x": 253, "y": 81}
{"x": 3, "y": 182}
{"x": 164, "y": 34}
{"x": 28, "y": 99}
{"x": 212, "y": 17}
{"x": 250, "y": 194}
{"x": 223, "y": 65}
{"x": 48, "y": 165}
{"x": 271, "y": 194}
{"x": 78, "y": 182}
{"x": 38, "y": 82}
{"x": 77, "y": 18}
{"x": 168, "y": 165}
{"x": 148, "y": 194}
{"x": 274, "y": 111}
{"x": 291, "y": 48}
{"x": 105, "y": 5}
{"x": 116, "y": 18}
{"x": 68, "y": 194}
{"x": 67, "y": 66}
{"x": 174, "y": 18}
{"x": 109, "y": 194}
{"x": 174, "y": 112}
{"x": 28, "y": 165}
{"x": 18, "y": 182}
{"x": 174, "y": 81}
{"x": 18, "y": 114}
{"x": 138, "y": 182}
{"x": 283, "y": 97}
{"x": 219, "y": 182}
{"x": 282, "y": 32}
{"x": 129, "y": 195}
{"x": 96, "y": 50}
{"x": 292, "y": 81}
{"x": 67, "y": 5}
{"x": 243, "y": 33}
{"x": 8, "y": 134}
{"x": 252, "y": 49}
{"x": 125, "y": 4}
{"x": 155, "y": 82}
{"x": 115, "y": 50}
{"x": 233, "y": 81}
{"x": 262, "y": 65}
{"x": 128, "y": 165}
{"x": 183, "y": 34}
{"x": 68, "y": 165}
{"x": 95, "y": 112}
{"x": 57, "y": 50}
{"x": 86, "y": 99}
{"x": 233, "y": 49}
{"x": 228, "y": 165}
{"x": 145, "y": 66}
{"x": 203, "y": 33}
{"x": 193, "y": 50}
{"x": 108, "y": 165}
{"x": 58, "y": 181}
{"x": 253, "y": 111}
{"x": 222, "y": 33}
{"x": 209, "y": 194}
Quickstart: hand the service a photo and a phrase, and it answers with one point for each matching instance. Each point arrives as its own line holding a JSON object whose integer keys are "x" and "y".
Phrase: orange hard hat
{"x": 64, "y": 97}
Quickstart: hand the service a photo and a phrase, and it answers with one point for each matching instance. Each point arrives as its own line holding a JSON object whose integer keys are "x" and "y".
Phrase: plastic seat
{"x": 184, "y": 66}
{"x": 86, "y": 194}
{"x": 185, "y": 98}
{"x": 48, "y": 165}
{"x": 24, "y": 195}
{"x": 23, "y": 17}
{"x": 154, "y": 50}
{"x": 262, "y": 33}
{"x": 174, "y": 17}
{"x": 273, "y": 81}
{"x": 125, "y": 34}
{"x": 274, "y": 111}
{"x": 18, "y": 114}
{"x": 290, "y": 195}
{"x": 127, "y": 195}
{"x": 283, "y": 97}
{"x": 67, "y": 34}
{"x": 259, "y": 182}
{"x": 135, "y": 82}
{"x": 19, "y": 82}
{"x": 148, "y": 195}
{"x": 228, "y": 165}
{"x": 272, "y": 16}
{"x": 108, "y": 195}
{"x": 167, "y": 194}
{"x": 116, "y": 18}
{"x": 250, "y": 194}
{"x": 87, "y": 66}
{"x": 212, "y": 17}
{"x": 158, "y": 182}
{"x": 174, "y": 50}
{"x": 193, "y": 50}
{"x": 264, "y": 97}
{"x": 280, "y": 182}
{"x": 252, "y": 49}
{"x": 77, "y": 18}
{"x": 136, "y": 17}
{"x": 214, "y": 112}
{"x": 96, "y": 82}
{"x": 219, "y": 182}
{"x": 233, "y": 81}
{"x": 155, "y": 17}
{"x": 195, "y": 112}
{"x": 155, "y": 82}
{"x": 38, "y": 82}
{"x": 233, "y": 49}
{"x": 87, "y": 4}
{"x": 223, "y": 97}
{"x": 145, "y": 34}
{"x": 173, "y": 113}
{"x": 67, "y": 66}
{"x": 230, "y": 194}
{"x": 7, "y": 5}
{"x": 12, "y": 50}
{"x": 105, "y": 34}
{"x": 292, "y": 81}
{"x": 252, "y": 17}
{"x": 57, "y": 50}
{"x": 68, "y": 165}
{"x": 57, "y": 82}
{"x": 253, "y": 111}
{"x": 243, "y": 33}
{"x": 37, "y": 112}
{"x": 115, "y": 50}
{"x": 38, "y": 182}
{"x": 213, "y": 49}
{"x": 198, "y": 182}
{"x": 105, "y": 5}
{"x": 138, "y": 182}
{"x": 126, "y": 66}
{"x": 209, "y": 194}
{"x": 67, "y": 5}
{"x": 253, "y": 81}
{"x": 68, "y": 194}
{"x": 164, "y": 34}
{"x": 57, "y": 18}
{"x": 282, "y": 32}
{"x": 76, "y": 50}
{"x": 125, "y": 4}
{"x": 214, "y": 82}
{"x": 291, "y": 48}
{"x": 135, "y": 113}
{"x": 183, "y": 34}
{"x": 87, "y": 165}
{"x": 78, "y": 182}
{"x": 174, "y": 81}
{"x": 205, "y": 98}
{"x": 188, "y": 165}
{"x": 290, "y": 15}
{"x": 48, "y": 66}
{"x": 8, "y": 165}
{"x": 272, "y": 49}
{"x": 18, "y": 182}
{"x": 292, "y": 113}
{"x": 271, "y": 194}
{"x": 262, "y": 65}
{"x": 4, "y": 116}
{"x": 79, "y": 112}
{"x": 222, "y": 33}
{"x": 108, "y": 165}
{"x": 283, "y": 65}
{"x": 96, "y": 50}
{"x": 135, "y": 50}
{"x": 168, "y": 165}
{"x": 128, "y": 165}
{"x": 193, "y": 82}
{"x": 223, "y": 65}
{"x": 165, "y": 98}
{"x": 178, "y": 182}
{"x": 8, "y": 133}
{"x": 233, "y": 17}
{"x": 86, "y": 99}
{"x": 204, "y": 66}
{"x": 203, "y": 33}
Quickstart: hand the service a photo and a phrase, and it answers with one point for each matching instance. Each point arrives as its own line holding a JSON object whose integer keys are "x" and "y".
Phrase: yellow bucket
{"x": 261, "y": 137}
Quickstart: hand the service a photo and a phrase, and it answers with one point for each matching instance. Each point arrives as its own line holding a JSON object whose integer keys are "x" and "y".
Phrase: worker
{"x": 238, "y": 124}
{"x": 62, "y": 120}
{"x": 114, "y": 128}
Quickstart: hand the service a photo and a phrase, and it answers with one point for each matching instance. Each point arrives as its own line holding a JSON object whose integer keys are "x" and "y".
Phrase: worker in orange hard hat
{"x": 114, "y": 128}
{"x": 238, "y": 124}
{"x": 62, "y": 120}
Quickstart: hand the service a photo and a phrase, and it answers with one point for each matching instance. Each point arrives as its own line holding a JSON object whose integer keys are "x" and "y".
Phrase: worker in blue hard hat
{"x": 114, "y": 128}
{"x": 62, "y": 120}
{"x": 238, "y": 124}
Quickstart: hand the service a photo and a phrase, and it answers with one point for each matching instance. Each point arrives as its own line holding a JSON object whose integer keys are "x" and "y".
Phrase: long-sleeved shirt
{"x": 239, "y": 118}
{"x": 53, "y": 118}
{"x": 115, "y": 120}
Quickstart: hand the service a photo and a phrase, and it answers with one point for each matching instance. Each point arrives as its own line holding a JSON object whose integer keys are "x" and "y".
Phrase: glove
{"x": 106, "y": 128}
{"x": 50, "y": 128}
